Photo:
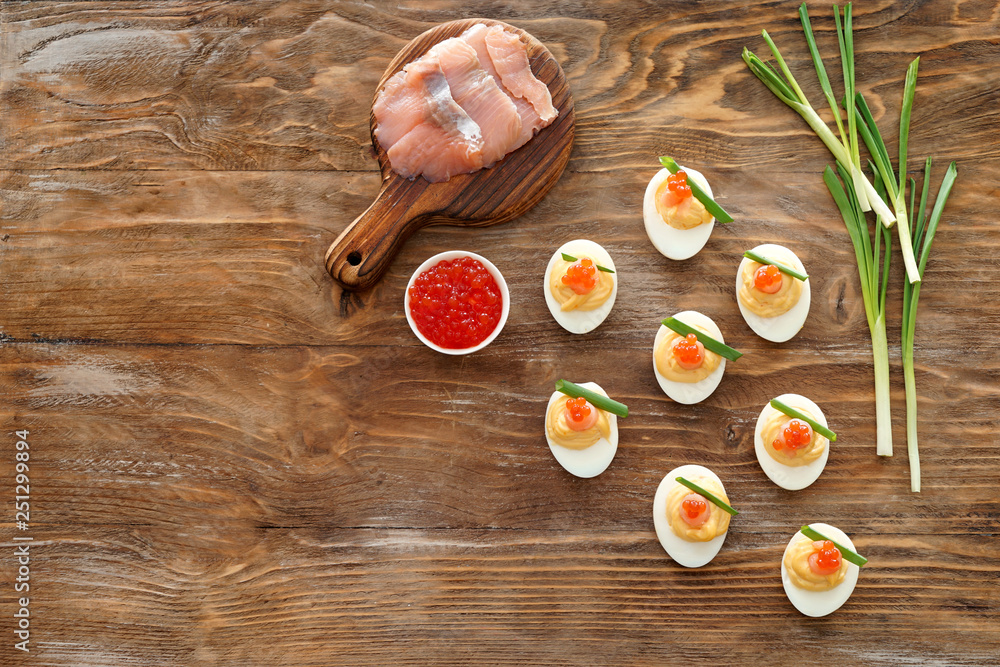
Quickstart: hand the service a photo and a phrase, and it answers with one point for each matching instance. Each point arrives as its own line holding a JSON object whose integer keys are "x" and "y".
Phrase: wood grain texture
{"x": 362, "y": 253}
{"x": 235, "y": 462}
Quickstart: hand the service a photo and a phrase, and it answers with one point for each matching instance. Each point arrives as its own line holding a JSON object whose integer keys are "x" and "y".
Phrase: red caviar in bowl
{"x": 796, "y": 435}
{"x": 689, "y": 352}
{"x": 456, "y": 304}
{"x": 694, "y": 510}
{"x": 825, "y": 559}
{"x": 767, "y": 279}
{"x": 581, "y": 276}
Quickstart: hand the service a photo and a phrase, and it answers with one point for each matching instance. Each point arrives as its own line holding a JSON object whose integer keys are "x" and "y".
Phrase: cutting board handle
{"x": 363, "y": 252}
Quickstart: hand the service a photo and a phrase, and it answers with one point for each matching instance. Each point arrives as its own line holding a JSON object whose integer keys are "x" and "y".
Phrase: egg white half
{"x": 792, "y": 478}
{"x": 688, "y": 554}
{"x": 593, "y": 460}
{"x": 580, "y": 321}
{"x": 782, "y": 327}
{"x": 690, "y": 392}
{"x": 821, "y": 603}
{"x": 672, "y": 242}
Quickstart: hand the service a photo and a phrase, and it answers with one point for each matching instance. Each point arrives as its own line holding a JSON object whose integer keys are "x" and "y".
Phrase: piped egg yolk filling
{"x": 677, "y": 358}
{"x": 580, "y": 285}
{"x": 767, "y": 292}
{"x": 791, "y": 442}
{"x": 576, "y": 424}
{"x": 815, "y": 566}
{"x": 693, "y": 517}
{"x": 677, "y": 206}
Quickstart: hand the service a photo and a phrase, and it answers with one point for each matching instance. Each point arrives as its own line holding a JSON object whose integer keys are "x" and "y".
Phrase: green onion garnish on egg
{"x": 792, "y": 412}
{"x": 708, "y": 495}
{"x": 597, "y": 400}
{"x": 717, "y": 212}
{"x": 849, "y": 555}
{"x": 784, "y": 268}
{"x": 571, "y": 258}
{"x": 710, "y": 343}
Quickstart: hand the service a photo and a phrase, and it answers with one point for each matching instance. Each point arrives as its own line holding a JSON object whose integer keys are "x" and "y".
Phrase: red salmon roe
{"x": 767, "y": 279}
{"x": 825, "y": 559}
{"x": 456, "y": 304}
{"x": 578, "y": 409}
{"x": 580, "y": 415}
{"x": 694, "y": 510}
{"x": 796, "y": 435}
{"x": 581, "y": 276}
{"x": 677, "y": 189}
{"x": 678, "y": 184}
{"x": 689, "y": 352}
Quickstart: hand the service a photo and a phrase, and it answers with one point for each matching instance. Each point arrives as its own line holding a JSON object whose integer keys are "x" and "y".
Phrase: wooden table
{"x": 234, "y": 462}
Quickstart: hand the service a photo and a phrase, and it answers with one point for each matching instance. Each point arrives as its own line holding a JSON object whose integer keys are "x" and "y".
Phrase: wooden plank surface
{"x": 233, "y": 462}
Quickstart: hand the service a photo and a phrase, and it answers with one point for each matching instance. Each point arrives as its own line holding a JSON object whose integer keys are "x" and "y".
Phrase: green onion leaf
{"x": 699, "y": 194}
{"x": 849, "y": 555}
{"x": 571, "y": 258}
{"x": 597, "y": 400}
{"x": 710, "y": 343}
{"x": 784, "y": 268}
{"x": 709, "y": 496}
{"x": 792, "y": 412}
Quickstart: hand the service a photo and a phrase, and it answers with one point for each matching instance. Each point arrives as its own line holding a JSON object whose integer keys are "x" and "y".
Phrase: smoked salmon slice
{"x": 445, "y": 141}
{"x": 399, "y": 108}
{"x": 480, "y": 95}
{"x": 462, "y": 106}
{"x": 510, "y": 59}
{"x": 530, "y": 121}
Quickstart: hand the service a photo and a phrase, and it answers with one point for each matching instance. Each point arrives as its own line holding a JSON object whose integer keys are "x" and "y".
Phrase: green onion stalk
{"x": 916, "y": 235}
{"x": 854, "y": 197}
{"x": 874, "y": 284}
{"x": 923, "y": 237}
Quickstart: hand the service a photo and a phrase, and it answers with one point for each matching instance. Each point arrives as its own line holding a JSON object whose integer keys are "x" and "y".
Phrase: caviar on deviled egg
{"x": 772, "y": 290}
{"x": 689, "y": 356}
{"x": 792, "y": 441}
{"x": 679, "y": 212}
{"x": 581, "y": 427}
{"x": 819, "y": 569}
{"x": 580, "y": 285}
{"x": 691, "y": 514}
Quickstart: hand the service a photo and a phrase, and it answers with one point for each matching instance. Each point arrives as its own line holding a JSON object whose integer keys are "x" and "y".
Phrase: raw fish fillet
{"x": 480, "y": 95}
{"x": 530, "y": 121}
{"x": 462, "y": 106}
{"x": 511, "y": 61}
{"x": 399, "y": 108}
{"x": 446, "y": 142}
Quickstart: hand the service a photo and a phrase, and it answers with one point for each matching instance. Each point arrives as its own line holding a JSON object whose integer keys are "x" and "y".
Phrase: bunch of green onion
{"x": 855, "y": 194}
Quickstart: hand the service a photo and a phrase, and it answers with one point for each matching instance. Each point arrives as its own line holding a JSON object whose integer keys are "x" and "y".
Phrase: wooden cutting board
{"x": 508, "y": 189}
{"x": 234, "y": 461}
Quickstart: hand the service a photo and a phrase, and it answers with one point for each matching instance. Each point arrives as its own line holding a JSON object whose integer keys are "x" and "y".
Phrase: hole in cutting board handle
{"x": 354, "y": 258}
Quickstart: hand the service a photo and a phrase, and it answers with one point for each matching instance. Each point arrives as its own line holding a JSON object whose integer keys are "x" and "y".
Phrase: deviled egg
{"x": 583, "y": 438}
{"x": 687, "y": 372}
{"x": 773, "y": 303}
{"x": 816, "y": 577}
{"x": 580, "y": 291}
{"x": 690, "y": 527}
{"x": 791, "y": 453}
{"x": 676, "y": 222}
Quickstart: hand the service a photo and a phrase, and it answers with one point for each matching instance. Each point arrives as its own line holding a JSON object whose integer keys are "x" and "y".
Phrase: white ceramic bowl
{"x": 497, "y": 276}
